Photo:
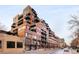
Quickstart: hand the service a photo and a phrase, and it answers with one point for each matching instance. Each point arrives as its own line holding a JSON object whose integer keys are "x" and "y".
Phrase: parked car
{"x": 66, "y": 50}
{"x": 77, "y": 50}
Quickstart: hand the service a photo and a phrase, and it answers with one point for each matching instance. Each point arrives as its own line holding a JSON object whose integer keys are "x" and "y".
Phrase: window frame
{"x": 18, "y": 45}
{"x": 10, "y": 43}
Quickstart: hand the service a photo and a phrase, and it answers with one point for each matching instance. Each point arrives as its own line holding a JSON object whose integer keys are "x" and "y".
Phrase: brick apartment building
{"x": 31, "y": 31}
{"x": 29, "y": 25}
{"x": 35, "y": 30}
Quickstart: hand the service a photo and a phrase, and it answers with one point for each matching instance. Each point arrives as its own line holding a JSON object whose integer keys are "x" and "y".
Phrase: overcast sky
{"x": 57, "y": 16}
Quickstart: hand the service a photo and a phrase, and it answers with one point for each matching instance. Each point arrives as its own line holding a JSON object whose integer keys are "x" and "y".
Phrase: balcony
{"x": 36, "y": 20}
{"x": 43, "y": 37}
{"x": 43, "y": 40}
{"x": 27, "y": 18}
{"x": 34, "y": 30}
{"x": 43, "y": 30}
{"x": 20, "y": 22}
{"x": 43, "y": 33}
{"x": 32, "y": 25}
{"x": 21, "y": 16}
{"x": 13, "y": 25}
{"x": 34, "y": 12}
{"x": 47, "y": 25}
{"x": 28, "y": 22}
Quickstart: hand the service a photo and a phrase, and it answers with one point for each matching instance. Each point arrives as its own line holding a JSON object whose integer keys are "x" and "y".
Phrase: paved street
{"x": 64, "y": 51}
{"x": 52, "y": 51}
{"x": 40, "y": 51}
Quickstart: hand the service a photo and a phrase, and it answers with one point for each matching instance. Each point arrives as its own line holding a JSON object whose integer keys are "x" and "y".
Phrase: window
{"x": 0, "y": 44}
{"x": 27, "y": 18}
{"x": 28, "y": 14}
{"x": 19, "y": 45}
{"x": 34, "y": 30}
{"x": 10, "y": 44}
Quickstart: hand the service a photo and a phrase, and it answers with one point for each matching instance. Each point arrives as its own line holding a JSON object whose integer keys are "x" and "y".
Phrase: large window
{"x": 19, "y": 45}
{"x": 10, "y": 44}
{"x": 0, "y": 44}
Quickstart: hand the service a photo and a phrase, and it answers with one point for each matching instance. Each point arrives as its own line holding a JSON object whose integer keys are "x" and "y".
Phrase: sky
{"x": 57, "y": 16}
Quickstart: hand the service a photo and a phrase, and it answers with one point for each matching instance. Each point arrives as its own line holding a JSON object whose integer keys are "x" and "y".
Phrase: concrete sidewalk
{"x": 38, "y": 51}
{"x": 41, "y": 51}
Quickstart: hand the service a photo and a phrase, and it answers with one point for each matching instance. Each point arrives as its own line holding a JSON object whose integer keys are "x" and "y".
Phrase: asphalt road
{"x": 64, "y": 51}
{"x": 53, "y": 51}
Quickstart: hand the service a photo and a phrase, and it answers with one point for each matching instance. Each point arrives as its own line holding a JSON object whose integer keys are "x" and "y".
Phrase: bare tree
{"x": 74, "y": 22}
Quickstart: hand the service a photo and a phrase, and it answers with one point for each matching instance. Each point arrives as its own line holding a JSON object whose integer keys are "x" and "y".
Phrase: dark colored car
{"x": 77, "y": 50}
{"x": 66, "y": 50}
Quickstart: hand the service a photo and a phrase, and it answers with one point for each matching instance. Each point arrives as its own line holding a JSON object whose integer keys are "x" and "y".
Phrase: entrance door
{"x": 0, "y": 45}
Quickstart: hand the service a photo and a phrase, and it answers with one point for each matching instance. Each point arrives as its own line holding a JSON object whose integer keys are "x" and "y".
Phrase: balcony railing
{"x": 21, "y": 16}
{"x": 13, "y": 25}
{"x": 34, "y": 12}
{"x": 28, "y": 22}
{"x": 32, "y": 25}
{"x": 36, "y": 20}
{"x": 43, "y": 33}
{"x": 20, "y": 22}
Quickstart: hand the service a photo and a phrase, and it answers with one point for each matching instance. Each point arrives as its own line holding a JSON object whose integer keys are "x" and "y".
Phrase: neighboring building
{"x": 9, "y": 43}
{"x": 75, "y": 43}
{"x": 54, "y": 39}
{"x": 62, "y": 43}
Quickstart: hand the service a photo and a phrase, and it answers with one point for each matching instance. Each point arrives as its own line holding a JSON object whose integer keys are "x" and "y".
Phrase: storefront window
{"x": 19, "y": 45}
{"x": 10, "y": 44}
{"x": 0, "y": 44}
